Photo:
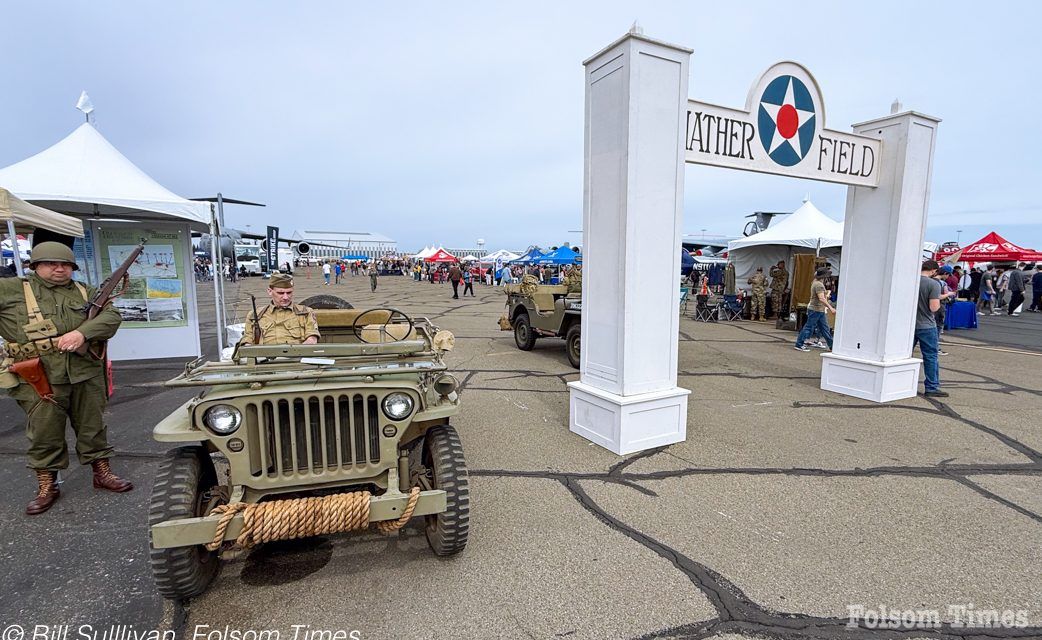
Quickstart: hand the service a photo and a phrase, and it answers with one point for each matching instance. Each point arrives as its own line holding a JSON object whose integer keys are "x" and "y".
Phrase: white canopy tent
{"x": 85, "y": 176}
{"x": 502, "y": 254}
{"x": 805, "y": 230}
{"x": 18, "y": 216}
{"x": 84, "y": 171}
{"x": 469, "y": 258}
{"x": 425, "y": 253}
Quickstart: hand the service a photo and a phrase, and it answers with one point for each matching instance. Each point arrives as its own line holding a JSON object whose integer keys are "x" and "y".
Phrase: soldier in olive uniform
{"x": 779, "y": 283}
{"x": 43, "y": 316}
{"x": 283, "y": 322}
{"x": 759, "y": 294}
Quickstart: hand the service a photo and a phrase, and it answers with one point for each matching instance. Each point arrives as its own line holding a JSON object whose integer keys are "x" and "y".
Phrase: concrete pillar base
{"x": 870, "y": 379}
{"x": 627, "y": 424}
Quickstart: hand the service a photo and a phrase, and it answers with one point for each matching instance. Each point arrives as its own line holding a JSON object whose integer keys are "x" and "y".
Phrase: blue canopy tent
{"x": 533, "y": 256}
{"x": 354, "y": 256}
{"x": 561, "y": 255}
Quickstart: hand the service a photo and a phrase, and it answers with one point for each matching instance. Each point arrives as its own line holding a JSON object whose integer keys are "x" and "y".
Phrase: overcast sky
{"x": 447, "y": 122}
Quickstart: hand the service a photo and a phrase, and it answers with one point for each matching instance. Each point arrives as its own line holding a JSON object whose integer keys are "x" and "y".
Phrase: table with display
{"x": 960, "y": 314}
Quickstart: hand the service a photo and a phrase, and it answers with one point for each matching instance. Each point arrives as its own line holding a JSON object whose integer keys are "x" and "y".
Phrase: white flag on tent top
{"x": 84, "y": 104}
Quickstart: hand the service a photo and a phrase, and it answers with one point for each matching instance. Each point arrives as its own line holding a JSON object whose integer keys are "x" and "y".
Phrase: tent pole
{"x": 15, "y": 252}
{"x": 231, "y": 266}
{"x": 215, "y": 257}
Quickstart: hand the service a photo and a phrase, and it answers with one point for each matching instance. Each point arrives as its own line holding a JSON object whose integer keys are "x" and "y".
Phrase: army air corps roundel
{"x": 786, "y": 120}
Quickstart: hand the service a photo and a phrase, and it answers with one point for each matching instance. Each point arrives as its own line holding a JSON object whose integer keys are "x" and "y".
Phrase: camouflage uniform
{"x": 282, "y": 325}
{"x": 80, "y": 393}
{"x": 759, "y": 295}
{"x": 779, "y": 282}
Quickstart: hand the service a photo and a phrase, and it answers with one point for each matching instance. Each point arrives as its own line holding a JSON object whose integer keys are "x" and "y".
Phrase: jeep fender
{"x": 178, "y": 426}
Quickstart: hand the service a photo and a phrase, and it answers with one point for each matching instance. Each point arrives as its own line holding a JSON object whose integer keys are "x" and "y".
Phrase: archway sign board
{"x": 781, "y": 131}
{"x": 641, "y": 128}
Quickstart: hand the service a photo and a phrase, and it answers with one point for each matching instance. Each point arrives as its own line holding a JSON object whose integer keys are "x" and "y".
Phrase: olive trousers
{"x": 82, "y": 404}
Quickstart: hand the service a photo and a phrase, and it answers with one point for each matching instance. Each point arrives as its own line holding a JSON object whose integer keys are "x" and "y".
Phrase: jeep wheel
{"x": 183, "y": 489}
{"x": 443, "y": 456}
{"x": 523, "y": 334}
{"x": 572, "y": 341}
{"x": 326, "y": 301}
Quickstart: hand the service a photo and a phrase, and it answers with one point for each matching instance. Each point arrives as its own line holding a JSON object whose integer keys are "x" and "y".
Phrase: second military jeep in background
{"x": 544, "y": 310}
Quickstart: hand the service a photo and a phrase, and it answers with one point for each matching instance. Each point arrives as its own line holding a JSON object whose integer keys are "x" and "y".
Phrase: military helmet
{"x": 53, "y": 252}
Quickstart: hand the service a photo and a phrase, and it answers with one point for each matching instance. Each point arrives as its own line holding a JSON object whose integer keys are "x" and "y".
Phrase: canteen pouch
{"x": 32, "y": 372}
{"x": 8, "y": 380}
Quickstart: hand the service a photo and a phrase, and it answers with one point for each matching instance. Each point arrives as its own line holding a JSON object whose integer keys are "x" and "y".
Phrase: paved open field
{"x": 785, "y": 506}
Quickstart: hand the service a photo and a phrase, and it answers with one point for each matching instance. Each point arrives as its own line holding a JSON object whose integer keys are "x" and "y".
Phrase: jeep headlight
{"x": 397, "y": 406}
{"x": 222, "y": 419}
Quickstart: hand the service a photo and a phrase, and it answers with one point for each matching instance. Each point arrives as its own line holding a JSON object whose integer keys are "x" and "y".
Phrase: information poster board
{"x": 155, "y": 294}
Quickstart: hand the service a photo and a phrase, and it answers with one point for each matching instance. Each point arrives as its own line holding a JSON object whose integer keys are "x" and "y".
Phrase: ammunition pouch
{"x": 32, "y": 372}
{"x": 8, "y": 380}
{"x": 40, "y": 330}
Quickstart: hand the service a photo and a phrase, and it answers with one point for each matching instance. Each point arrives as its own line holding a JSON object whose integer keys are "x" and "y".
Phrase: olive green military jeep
{"x": 315, "y": 439}
{"x": 543, "y": 310}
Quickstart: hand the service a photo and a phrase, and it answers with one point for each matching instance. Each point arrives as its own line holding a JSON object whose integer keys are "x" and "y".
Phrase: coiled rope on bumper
{"x": 303, "y": 518}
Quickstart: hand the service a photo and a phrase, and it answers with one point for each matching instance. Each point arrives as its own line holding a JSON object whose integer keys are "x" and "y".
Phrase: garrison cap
{"x": 53, "y": 252}
{"x": 281, "y": 281}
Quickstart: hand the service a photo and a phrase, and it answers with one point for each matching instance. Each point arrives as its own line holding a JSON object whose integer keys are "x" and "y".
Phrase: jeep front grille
{"x": 313, "y": 434}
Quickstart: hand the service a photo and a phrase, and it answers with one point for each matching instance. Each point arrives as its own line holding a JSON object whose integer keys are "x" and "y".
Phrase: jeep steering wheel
{"x": 358, "y": 326}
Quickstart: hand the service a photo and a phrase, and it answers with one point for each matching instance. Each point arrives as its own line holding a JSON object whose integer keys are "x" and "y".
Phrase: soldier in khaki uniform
{"x": 779, "y": 283}
{"x": 283, "y": 322}
{"x": 42, "y": 315}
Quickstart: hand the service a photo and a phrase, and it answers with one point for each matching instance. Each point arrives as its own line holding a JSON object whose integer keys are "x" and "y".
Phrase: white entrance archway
{"x": 640, "y": 130}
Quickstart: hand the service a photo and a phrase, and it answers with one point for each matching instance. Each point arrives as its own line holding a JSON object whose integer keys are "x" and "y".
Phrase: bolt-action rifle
{"x": 113, "y": 286}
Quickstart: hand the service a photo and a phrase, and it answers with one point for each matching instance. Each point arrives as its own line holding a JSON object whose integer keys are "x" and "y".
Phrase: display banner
{"x": 781, "y": 131}
{"x": 155, "y": 293}
{"x": 273, "y": 248}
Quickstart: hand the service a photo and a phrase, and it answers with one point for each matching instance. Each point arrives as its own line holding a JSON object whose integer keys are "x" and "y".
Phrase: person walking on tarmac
{"x": 43, "y": 316}
{"x": 468, "y": 282}
{"x": 455, "y": 275}
{"x": 373, "y": 275}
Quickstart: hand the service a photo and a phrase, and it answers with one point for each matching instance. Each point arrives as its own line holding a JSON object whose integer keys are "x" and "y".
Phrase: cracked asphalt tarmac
{"x": 785, "y": 505}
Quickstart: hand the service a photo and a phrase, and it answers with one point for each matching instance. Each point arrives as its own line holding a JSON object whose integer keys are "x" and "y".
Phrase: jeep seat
{"x": 345, "y": 318}
{"x": 544, "y": 302}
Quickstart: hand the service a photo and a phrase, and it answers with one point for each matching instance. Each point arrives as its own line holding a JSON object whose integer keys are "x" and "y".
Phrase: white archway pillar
{"x": 627, "y": 397}
{"x": 882, "y": 253}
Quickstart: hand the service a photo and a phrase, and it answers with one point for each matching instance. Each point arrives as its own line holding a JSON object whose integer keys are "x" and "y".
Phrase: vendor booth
{"x": 441, "y": 255}
{"x": 992, "y": 248}
{"x": 806, "y": 230}
{"x": 84, "y": 176}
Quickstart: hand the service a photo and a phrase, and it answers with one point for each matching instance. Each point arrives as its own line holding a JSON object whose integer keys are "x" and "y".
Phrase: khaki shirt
{"x": 62, "y": 304}
{"x": 283, "y": 325}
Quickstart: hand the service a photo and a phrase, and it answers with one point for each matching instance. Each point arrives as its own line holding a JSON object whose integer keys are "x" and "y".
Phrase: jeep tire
{"x": 572, "y": 342}
{"x": 185, "y": 476}
{"x": 524, "y": 336}
{"x": 443, "y": 457}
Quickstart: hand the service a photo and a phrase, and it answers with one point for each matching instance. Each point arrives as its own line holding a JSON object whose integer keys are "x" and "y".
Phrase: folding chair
{"x": 683, "y": 298}
{"x": 730, "y": 310}
{"x": 703, "y": 312}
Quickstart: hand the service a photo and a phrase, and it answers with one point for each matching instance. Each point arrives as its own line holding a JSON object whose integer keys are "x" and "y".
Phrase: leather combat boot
{"x": 105, "y": 479}
{"x": 47, "y": 494}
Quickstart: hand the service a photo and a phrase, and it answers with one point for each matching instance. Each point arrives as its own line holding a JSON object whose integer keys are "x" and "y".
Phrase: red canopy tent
{"x": 441, "y": 255}
{"x": 994, "y": 248}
